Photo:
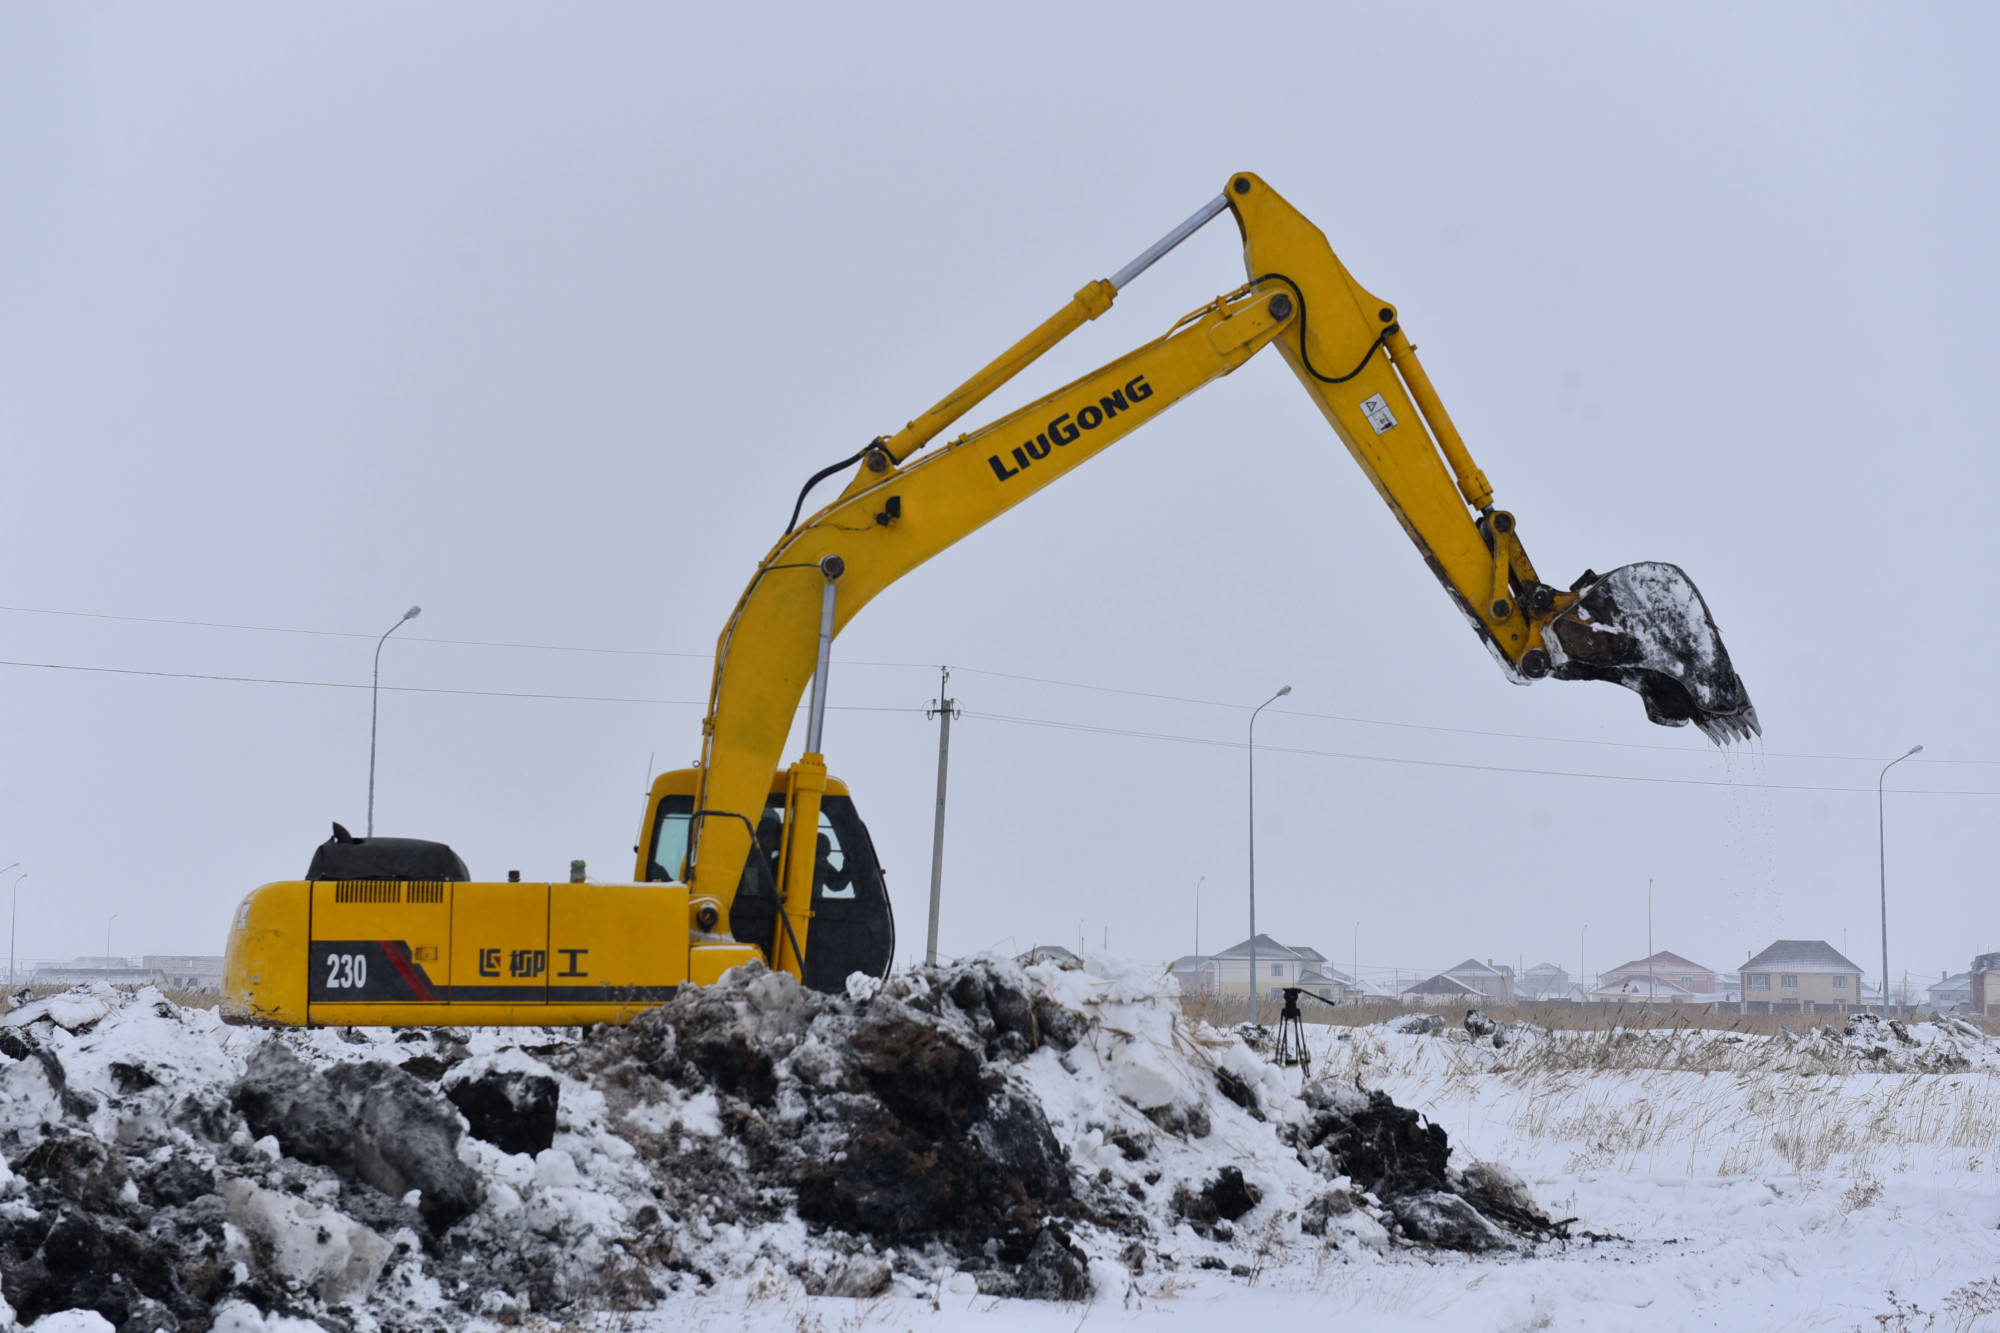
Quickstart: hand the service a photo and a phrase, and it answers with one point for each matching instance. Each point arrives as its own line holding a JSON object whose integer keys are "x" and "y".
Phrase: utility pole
{"x": 944, "y": 710}
{"x": 1651, "y": 994}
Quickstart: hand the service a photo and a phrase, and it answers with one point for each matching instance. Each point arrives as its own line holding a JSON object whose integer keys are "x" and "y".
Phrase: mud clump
{"x": 1219, "y": 1201}
{"x": 85, "y": 1242}
{"x": 1387, "y": 1149}
{"x": 512, "y": 1109}
{"x": 1393, "y": 1153}
{"x": 363, "y": 1119}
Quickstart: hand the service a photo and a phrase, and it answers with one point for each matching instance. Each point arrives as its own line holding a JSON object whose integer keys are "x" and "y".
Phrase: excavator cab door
{"x": 853, "y": 929}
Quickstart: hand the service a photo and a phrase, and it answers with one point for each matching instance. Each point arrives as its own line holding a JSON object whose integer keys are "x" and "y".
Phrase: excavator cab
{"x": 849, "y": 926}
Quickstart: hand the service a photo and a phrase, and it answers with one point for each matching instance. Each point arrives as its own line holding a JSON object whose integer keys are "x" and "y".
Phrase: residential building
{"x": 1622, "y": 988}
{"x": 82, "y": 971}
{"x": 1673, "y": 978}
{"x": 1950, "y": 995}
{"x": 1195, "y": 973}
{"x": 1328, "y": 984}
{"x": 1545, "y": 981}
{"x": 187, "y": 971}
{"x": 1793, "y": 973}
{"x": 1985, "y": 985}
{"x": 1495, "y": 983}
{"x": 1443, "y": 989}
{"x": 1278, "y": 966}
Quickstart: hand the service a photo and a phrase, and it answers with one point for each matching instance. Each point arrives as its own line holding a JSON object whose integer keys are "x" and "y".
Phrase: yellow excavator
{"x": 739, "y": 859}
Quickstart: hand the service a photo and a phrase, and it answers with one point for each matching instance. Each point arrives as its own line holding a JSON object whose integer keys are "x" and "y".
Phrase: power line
{"x": 351, "y": 634}
{"x": 408, "y": 689}
{"x": 991, "y": 717}
{"x": 1444, "y": 763}
{"x": 931, "y": 666}
{"x": 1419, "y": 726}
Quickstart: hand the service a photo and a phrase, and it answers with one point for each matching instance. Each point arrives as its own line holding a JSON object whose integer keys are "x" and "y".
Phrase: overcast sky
{"x": 538, "y": 316}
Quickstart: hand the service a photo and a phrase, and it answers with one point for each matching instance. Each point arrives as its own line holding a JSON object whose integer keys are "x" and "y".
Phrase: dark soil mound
{"x": 882, "y": 1119}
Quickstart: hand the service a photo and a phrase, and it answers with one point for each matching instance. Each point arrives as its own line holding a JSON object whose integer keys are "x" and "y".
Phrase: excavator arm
{"x": 1643, "y": 626}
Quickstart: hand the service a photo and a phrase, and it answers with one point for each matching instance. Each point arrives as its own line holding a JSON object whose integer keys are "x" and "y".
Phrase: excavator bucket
{"x": 1646, "y": 627}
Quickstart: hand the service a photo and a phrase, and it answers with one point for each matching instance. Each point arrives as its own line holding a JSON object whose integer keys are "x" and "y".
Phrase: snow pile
{"x": 986, "y": 1129}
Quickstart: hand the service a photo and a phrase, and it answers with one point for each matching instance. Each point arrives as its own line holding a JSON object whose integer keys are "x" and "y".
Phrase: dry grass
{"x": 186, "y": 999}
{"x": 1702, "y": 1101}
{"x": 1558, "y": 1017}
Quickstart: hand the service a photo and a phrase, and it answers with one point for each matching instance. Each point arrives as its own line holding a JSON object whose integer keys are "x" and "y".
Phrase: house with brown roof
{"x": 1624, "y": 988}
{"x": 1791, "y": 974}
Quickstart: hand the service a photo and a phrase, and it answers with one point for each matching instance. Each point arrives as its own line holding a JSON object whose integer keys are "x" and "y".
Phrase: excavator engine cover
{"x": 346, "y": 857}
{"x": 1646, "y": 627}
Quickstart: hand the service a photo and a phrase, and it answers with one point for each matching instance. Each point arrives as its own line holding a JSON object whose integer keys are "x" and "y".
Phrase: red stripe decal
{"x": 399, "y": 954}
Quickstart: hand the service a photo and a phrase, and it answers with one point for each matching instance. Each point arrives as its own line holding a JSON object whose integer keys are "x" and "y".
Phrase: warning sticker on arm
{"x": 1378, "y": 413}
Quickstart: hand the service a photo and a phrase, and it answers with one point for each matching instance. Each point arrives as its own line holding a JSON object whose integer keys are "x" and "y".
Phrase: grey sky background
{"x": 539, "y": 317}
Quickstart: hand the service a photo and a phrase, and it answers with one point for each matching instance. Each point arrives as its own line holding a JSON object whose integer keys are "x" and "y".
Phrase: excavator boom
{"x": 1643, "y": 626}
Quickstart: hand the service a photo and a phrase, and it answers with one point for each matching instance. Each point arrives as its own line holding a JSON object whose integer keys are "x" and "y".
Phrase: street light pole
{"x": 1197, "y": 917}
{"x": 1882, "y": 855}
{"x": 1582, "y": 990}
{"x": 107, "y": 940}
{"x": 374, "y": 708}
{"x": 1282, "y": 692}
{"x": 1651, "y": 993}
{"x": 13, "y": 918}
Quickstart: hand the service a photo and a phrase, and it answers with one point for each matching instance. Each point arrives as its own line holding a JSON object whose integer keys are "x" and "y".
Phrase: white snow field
{"x": 1844, "y": 1179}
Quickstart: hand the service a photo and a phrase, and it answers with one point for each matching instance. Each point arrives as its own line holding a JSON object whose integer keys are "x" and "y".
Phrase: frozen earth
{"x": 986, "y": 1145}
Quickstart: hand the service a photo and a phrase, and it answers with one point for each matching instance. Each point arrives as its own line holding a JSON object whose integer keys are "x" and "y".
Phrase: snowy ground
{"x": 1754, "y": 1183}
{"x": 1845, "y": 1179}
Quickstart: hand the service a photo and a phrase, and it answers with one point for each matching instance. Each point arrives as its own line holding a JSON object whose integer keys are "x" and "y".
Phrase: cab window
{"x": 848, "y": 870}
{"x": 667, "y": 863}
{"x": 832, "y": 877}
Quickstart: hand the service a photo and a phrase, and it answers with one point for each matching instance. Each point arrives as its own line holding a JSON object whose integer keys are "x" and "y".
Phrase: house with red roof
{"x": 1666, "y": 978}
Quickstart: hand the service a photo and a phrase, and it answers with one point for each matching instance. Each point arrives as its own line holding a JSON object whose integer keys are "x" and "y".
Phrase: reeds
{"x": 1227, "y": 1011}
{"x": 1701, "y": 1101}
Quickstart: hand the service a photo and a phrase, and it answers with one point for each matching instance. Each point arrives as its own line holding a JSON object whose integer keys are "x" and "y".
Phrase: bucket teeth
{"x": 1728, "y": 728}
{"x": 1646, "y": 627}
